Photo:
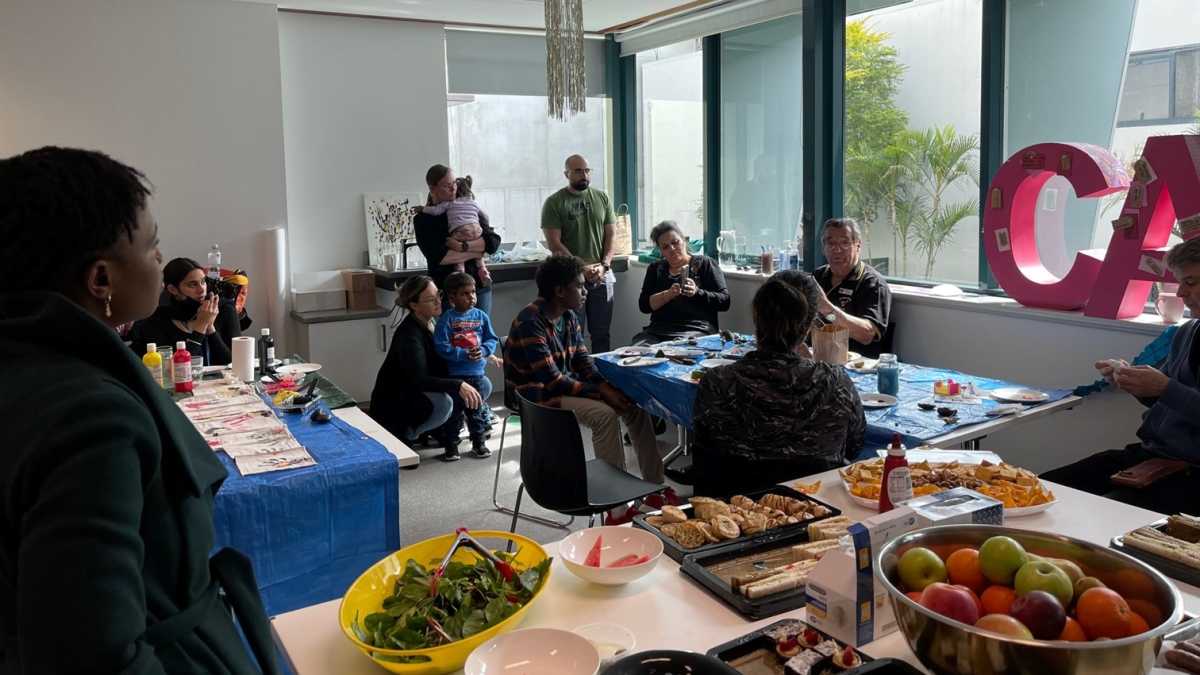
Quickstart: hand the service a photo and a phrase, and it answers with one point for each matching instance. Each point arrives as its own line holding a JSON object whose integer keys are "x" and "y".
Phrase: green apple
{"x": 1044, "y": 575}
{"x": 1000, "y": 558}
{"x": 919, "y": 567}
{"x": 1075, "y": 572}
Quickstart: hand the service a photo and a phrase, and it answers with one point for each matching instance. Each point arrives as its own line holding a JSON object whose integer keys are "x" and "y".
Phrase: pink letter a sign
{"x": 1112, "y": 283}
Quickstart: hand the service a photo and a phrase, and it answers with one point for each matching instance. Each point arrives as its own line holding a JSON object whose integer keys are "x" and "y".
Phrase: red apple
{"x": 1004, "y": 625}
{"x": 978, "y": 602}
{"x": 1041, "y": 613}
{"x": 951, "y": 601}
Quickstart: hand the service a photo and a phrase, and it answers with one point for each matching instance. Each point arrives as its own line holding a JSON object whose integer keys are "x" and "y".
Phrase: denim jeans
{"x": 476, "y": 419}
{"x": 596, "y": 317}
{"x": 443, "y": 405}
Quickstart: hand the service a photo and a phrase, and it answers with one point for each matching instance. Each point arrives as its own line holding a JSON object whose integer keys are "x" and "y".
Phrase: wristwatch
{"x": 464, "y": 246}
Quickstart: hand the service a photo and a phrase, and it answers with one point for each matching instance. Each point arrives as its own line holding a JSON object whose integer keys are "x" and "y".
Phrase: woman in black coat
{"x": 413, "y": 394}
{"x": 108, "y": 489}
{"x": 682, "y": 293}
{"x": 433, "y": 236}
{"x": 189, "y": 315}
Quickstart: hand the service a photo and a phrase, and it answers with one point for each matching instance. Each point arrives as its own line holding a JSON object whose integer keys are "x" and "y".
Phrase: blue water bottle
{"x": 888, "y": 371}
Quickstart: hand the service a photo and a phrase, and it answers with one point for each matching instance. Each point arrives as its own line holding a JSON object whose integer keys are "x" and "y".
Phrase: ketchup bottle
{"x": 896, "y": 485}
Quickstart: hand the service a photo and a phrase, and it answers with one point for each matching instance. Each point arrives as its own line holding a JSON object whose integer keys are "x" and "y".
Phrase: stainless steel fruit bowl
{"x": 946, "y": 646}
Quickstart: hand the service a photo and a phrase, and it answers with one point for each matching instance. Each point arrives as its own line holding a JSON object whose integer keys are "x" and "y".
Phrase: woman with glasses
{"x": 413, "y": 393}
{"x": 682, "y": 293}
{"x": 435, "y": 242}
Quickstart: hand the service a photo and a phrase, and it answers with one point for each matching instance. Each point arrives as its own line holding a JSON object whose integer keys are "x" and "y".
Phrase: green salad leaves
{"x": 470, "y": 598}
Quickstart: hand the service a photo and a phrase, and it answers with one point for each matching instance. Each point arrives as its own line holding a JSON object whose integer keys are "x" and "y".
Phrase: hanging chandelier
{"x": 566, "y": 84}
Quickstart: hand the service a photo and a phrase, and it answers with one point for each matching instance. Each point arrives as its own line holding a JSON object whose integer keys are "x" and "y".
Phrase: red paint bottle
{"x": 182, "y": 368}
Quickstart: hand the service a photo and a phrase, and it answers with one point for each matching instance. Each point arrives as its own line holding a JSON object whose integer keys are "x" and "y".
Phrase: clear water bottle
{"x": 214, "y": 262}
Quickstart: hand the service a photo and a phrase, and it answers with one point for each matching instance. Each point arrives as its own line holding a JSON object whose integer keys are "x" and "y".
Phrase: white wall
{"x": 364, "y": 110}
{"x": 1032, "y": 347}
{"x": 187, "y": 91}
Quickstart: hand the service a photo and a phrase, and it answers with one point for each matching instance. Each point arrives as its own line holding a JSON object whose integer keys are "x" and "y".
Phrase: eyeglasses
{"x": 839, "y": 245}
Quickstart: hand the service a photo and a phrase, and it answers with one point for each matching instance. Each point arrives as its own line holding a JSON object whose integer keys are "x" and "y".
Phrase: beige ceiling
{"x": 597, "y": 14}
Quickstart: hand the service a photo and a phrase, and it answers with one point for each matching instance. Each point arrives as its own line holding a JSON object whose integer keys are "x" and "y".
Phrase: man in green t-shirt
{"x": 578, "y": 220}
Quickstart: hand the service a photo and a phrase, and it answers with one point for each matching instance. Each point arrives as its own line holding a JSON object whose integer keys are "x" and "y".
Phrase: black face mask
{"x": 184, "y": 310}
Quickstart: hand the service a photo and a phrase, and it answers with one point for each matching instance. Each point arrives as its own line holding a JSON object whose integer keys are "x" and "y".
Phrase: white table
{"x": 666, "y": 610}
{"x": 363, "y": 422}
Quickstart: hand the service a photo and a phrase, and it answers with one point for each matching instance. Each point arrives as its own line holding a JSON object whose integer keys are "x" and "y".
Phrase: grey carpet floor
{"x": 437, "y": 497}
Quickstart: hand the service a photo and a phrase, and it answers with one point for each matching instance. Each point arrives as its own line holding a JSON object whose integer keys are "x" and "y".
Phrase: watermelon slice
{"x": 593, "y": 556}
{"x": 631, "y": 559}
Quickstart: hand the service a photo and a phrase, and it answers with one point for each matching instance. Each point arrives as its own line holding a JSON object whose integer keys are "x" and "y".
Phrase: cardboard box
{"x": 360, "y": 299}
{"x": 358, "y": 281}
{"x": 844, "y": 595}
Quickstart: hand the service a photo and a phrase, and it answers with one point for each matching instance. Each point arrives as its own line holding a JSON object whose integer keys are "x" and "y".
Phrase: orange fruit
{"x": 1133, "y": 583}
{"x": 1148, "y": 610}
{"x": 963, "y": 568}
{"x": 997, "y": 599}
{"x": 1073, "y": 632}
{"x": 1137, "y": 625}
{"x": 1103, "y": 613}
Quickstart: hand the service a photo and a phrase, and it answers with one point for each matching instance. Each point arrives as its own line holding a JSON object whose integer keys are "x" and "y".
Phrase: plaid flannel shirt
{"x": 540, "y": 365}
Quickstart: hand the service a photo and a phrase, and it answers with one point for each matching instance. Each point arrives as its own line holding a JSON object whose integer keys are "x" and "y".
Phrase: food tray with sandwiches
{"x": 1170, "y": 545}
{"x": 1020, "y": 490}
{"x": 761, "y": 578}
{"x": 707, "y": 523}
{"x": 792, "y": 647}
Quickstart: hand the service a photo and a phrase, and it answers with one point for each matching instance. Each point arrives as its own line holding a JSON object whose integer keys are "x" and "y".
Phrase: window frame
{"x": 1171, "y": 56}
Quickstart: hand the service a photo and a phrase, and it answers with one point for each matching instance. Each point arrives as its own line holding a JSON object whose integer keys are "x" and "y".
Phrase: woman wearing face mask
{"x": 189, "y": 316}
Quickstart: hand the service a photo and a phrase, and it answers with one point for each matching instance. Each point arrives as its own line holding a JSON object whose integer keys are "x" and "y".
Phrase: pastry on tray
{"x": 714, "y": 520}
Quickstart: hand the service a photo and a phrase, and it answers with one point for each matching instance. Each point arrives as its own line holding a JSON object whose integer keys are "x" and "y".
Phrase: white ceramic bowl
{"x": 618, "y": 542}
{"x": 534, "y": 651}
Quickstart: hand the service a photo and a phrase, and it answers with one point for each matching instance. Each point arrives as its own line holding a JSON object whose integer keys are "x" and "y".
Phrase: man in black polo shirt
{"x": 856, "y": 296}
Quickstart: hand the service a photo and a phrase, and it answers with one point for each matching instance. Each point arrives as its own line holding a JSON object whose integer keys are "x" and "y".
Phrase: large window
{"x": 761, "y": 129}
{"x": 515, "y": 154}
{"x": 671, "y": 137}
{"x": 1107, "y": 72}
{"x": 912, "y": 137}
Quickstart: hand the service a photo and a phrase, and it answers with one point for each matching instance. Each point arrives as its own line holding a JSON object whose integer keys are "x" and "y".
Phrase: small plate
{"x": 626, "y": 352}
{"x": 298, "y": 369}
{"x": 876, "y": 401}
{"x": 1019, "y": 395}
{"x": 853, "y": 356}
{"x": 716, "y": 363}
{"x": 862, "y": 365}
{"x": 641, "y": 361}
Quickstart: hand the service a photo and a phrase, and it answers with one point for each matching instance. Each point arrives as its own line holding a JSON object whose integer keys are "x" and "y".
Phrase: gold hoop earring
{"x": 108, "y": 306}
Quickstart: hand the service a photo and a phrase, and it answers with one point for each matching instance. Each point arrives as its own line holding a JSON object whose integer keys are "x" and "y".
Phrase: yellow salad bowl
{"x": 367, "y": 593}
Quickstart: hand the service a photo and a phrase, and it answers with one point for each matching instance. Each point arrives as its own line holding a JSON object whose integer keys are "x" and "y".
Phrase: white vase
{"x": 390, "y": 261}
{"x": 1170, "y": 306}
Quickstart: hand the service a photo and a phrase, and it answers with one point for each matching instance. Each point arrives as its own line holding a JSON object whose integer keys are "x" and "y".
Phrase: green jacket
{"x": 106, "y": 499}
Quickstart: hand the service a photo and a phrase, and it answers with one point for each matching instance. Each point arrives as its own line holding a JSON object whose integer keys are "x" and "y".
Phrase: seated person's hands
{"x": 495, "y": 361}
{"x": 688, "y": 288}
{"x": 1142, "y": 381}
{"x": 614, "y": 398}
{"x": 1109, "y": 367}
{"x": 823, "y": 305}
{"x": 470, "y": 396}
{"x": 475, "y": 354}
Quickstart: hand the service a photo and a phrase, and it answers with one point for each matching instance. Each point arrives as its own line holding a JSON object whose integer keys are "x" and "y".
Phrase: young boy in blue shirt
{"x": 465, "y": 339}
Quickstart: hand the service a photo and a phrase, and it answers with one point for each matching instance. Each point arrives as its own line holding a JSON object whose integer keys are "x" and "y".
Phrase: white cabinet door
{"x": 350, "y": 353}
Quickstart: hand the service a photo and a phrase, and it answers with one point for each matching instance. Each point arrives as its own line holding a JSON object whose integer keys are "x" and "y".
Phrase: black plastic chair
{"x": 514, "y": 414}
{"x": 556, "y": 473}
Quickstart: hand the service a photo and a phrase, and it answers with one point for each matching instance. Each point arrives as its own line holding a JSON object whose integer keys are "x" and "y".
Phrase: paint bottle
{"x": 896, "y": 485}
{"x": 182, "y": 370}
{"x": 154, "y": 363}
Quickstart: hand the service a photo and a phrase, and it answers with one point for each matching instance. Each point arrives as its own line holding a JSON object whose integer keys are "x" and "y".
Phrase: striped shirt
{"x": 544, "y": 366}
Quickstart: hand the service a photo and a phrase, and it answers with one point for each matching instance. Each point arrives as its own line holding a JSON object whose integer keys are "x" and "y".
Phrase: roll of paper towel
{"x": 243, "y": 358}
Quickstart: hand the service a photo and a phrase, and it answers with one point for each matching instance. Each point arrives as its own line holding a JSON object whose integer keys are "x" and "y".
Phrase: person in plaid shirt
{"x": 545, "y": 360}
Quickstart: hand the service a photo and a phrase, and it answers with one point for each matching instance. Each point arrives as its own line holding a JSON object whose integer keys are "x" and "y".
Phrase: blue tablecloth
{"x": 311, "y": 531}
{"x": 667, "y": 391}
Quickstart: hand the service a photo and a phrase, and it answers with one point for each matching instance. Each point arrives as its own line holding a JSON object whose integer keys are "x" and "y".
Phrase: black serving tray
{"x": 761, "y": 639}
{"x": 696, "y": 566}
{"x": 1175, "y": 570}
{"x": 676, "y": 552}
